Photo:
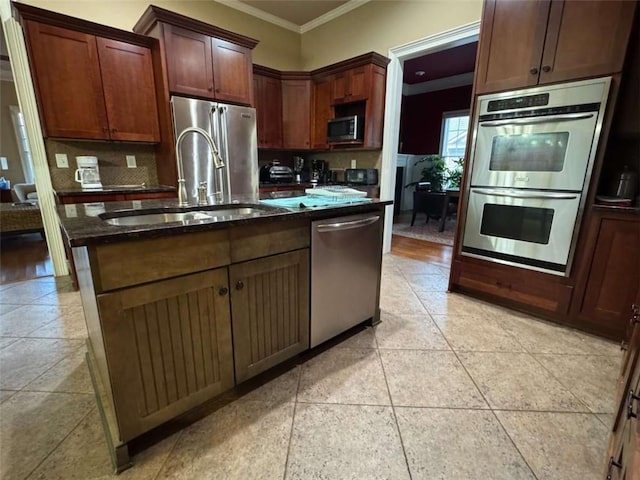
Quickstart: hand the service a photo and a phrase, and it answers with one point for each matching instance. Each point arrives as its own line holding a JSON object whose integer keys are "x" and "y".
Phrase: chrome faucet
{"x": 183, "y": 200}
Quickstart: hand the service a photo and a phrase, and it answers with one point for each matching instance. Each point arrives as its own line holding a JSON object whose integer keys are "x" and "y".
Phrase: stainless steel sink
{"x": 186, "y": 218}
{"x": 214, "y": 213}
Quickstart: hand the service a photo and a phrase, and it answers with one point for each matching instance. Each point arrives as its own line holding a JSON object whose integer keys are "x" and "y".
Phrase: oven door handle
{"x": 527, "y": 195}
{"x": 567, "y": 117}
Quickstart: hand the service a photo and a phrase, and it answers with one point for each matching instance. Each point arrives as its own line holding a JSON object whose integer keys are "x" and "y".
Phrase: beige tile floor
{"x": 446, "y": 387}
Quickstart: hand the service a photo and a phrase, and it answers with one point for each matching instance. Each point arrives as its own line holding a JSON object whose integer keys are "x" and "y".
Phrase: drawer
{"x": 521, "y": 287}
{"x": 262, "y": 239}
{"x": 158, "y": 258}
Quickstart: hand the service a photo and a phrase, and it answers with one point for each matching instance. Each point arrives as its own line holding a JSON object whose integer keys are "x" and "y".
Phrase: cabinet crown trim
{"x": 24, "y": 12}
{"x": 154, "y": 14}
{"x": 361, "y": 60}
{"x": 366, "y": 59}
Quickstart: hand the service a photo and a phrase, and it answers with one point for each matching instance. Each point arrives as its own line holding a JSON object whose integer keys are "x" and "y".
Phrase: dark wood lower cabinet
{"x": 270, "y": 309}
{"x": 168, "y": 344}
{"x": 612, "y": 281}
{"x": 623, "y": 454}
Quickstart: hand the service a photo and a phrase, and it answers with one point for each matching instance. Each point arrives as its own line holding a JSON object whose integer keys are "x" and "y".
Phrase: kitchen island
{"x": 181, "y": 310}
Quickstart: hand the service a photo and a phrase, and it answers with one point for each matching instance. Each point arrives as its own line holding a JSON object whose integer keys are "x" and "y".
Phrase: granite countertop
{"x": 111, "y": 189}
{"x": 82, "y": 225}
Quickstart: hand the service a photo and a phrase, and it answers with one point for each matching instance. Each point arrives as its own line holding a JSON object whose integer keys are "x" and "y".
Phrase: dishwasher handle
{"x": 332, "y": 227}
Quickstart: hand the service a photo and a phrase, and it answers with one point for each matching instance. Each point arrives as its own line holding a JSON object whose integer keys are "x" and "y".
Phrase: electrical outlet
{"x": 131, "y": 161}
{"x": 3, "y": 163}
{"x": 353, "y": 163}
{"x": 62, "y": 161}
{"x": 70, "y": 211}
{"x": 136, "y": 204}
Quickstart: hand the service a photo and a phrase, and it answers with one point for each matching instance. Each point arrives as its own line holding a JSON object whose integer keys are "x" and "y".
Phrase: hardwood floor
{"x": 23, "y": 257}
{"x": 428, "y": 252}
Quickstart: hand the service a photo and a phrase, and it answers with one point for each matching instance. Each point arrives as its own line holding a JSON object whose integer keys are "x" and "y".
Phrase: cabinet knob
{"x": 114, "y": 130}
{"x": 239, "y": 285}
{"x": 635, "y": 314}
{"x": 546, "y": 68}
{"x": 210, "y": 88}
{"x": 533, "y": 71}
{"x": 217, "y": 90}
{"x": 630, "y": 399}
{"x": 612, "y": 463}
{"x": 223, "y": 291}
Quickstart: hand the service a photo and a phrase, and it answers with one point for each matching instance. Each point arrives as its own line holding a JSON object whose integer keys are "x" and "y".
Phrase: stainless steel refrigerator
{"x": 233, "y": 130}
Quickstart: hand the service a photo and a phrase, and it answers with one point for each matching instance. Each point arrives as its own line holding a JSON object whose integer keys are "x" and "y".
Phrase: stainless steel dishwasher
{"x": 346, "y": 258}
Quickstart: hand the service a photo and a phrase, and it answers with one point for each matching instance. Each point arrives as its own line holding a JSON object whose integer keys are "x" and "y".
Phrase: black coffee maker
{"x": 319, "y": 171}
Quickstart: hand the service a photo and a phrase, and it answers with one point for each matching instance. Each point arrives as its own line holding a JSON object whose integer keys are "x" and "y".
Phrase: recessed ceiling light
{"x": 420, "y": 73}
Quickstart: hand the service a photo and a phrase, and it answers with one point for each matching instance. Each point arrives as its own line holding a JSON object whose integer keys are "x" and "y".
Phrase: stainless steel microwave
{"x": 345, "y": 129}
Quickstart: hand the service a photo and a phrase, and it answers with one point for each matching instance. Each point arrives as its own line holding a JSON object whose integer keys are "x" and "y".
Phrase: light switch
{"x": 61, "y": 160}
{"x": 70, "y": 211}
{"x": 131, "y": 161}
{"x": 3, "y": 163}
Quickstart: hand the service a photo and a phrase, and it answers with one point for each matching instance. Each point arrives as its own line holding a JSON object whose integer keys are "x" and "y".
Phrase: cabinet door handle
{"x": 223, "y": 291}
{"x": 533, "y": 71}
{"x": 630, "y": 399}
{"x": 612, "y": 463}
{"x": 546, "y": 68}
{"x": 239, "y": 285}
{"x": 210, "y": 88}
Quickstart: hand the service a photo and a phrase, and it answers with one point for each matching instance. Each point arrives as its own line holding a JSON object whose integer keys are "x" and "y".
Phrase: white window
{"x": 453, "y": 142}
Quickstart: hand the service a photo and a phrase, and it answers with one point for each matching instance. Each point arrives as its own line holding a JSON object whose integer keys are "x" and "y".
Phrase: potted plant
{"x": 434, "y": 172}
{"x": 454, "y": 175}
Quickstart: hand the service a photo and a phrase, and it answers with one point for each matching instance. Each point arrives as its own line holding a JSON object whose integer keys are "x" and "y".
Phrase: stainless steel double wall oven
{"x": 531, "y": 162}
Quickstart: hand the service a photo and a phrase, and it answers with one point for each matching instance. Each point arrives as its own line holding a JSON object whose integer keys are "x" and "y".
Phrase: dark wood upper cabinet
{"x": 585, "y": 39}
{"x": 544, "y": 41}
{"x": 511, "y": 41}
{"x": 91, "y": 81}
{"x": 322, "y": 112}
{"x": 189, "y": 66}
{"x": 296, "y": 115}
{"x": 203, "y": 61}
{"x": 68, "y": 83}
{"x": 268, "y": 103}
{"x": 232, "y": 72}
{"x": 129, "y": 91}
{"x": 352, "y": 85}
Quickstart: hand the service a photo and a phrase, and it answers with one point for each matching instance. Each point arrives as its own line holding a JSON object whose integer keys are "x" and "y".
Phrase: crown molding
{"x": 332, "y": 14}
{"x": 262, "y": 15}
{"x": 316, "y": 22}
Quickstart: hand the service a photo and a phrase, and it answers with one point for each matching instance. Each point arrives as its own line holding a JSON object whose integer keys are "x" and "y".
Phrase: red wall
{"x": 421, "y": 118}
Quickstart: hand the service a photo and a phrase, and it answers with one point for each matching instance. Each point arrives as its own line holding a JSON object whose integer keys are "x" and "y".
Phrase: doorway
{"x": 460, "y": 36}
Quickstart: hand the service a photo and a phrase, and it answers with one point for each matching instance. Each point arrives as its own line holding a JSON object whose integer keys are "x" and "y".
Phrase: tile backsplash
{"x": 342, "y": 160}
{"x": 111, "y": 161}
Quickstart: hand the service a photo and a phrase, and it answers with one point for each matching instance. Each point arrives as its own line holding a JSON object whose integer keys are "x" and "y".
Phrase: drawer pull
{"x": 612, "y": 463}
{"x": 632, "y": 396}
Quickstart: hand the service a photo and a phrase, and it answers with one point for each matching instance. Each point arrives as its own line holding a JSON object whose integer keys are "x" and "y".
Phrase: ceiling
{"x": 442, "y": 64}
{"x": 297, "y": 15}
{"x": 298, "y": 12}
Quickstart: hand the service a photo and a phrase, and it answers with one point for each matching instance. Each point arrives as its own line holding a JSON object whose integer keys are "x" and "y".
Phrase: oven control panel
{"x": 528, "y": 101}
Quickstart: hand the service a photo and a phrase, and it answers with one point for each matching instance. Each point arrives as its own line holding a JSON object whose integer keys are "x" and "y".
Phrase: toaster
{"x": 361, "y": 176}
{"x": 276, "y": 173}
